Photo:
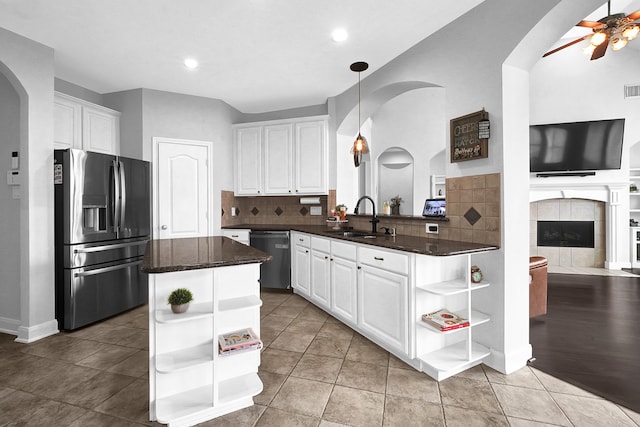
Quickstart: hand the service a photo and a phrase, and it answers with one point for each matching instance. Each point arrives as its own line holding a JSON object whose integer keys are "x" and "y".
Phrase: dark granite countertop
{"x": 414, "y": 244}
{"x": 166, "y": 255}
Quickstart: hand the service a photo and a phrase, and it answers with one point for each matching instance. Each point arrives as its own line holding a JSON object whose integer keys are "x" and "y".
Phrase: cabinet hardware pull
{"x": 302, "y": 240}
{"x": 378, "y": 258}
{"x": 331, "y": 259}
{"x": 359, "y": 268}
{"x": 326, "y": 257}
{"x": 234, "y": 235}
{"x": 306, "y": 252}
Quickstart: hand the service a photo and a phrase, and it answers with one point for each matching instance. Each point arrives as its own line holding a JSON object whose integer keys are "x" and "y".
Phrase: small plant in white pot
{"x": 180, "y": 299}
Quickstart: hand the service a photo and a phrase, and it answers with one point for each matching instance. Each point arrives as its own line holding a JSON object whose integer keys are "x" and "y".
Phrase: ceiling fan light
{"x": 589, "y": 50}
{"x": 618, "y": 43}
{"x": 598, "y": 38}
{"x": 631, "y": 32}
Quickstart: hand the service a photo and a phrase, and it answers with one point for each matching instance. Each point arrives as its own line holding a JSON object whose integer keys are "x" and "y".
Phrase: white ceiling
{"x": 257, "y": 55}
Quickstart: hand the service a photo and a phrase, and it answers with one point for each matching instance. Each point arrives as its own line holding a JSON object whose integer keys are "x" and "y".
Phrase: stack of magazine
{"x": 444, "y": 320}
{"x": 238, "y": 342}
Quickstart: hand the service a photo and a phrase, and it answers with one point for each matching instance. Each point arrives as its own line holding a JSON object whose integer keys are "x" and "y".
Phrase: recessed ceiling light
{"x": 191, "y": 63}
{"x": 339, "y": 35}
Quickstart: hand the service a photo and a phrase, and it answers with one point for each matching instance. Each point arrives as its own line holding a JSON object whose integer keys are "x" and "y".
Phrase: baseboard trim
{"x": 508, "y": 363}
{"x": 9, "y": 326}
{"x": 616, "y": 265}
{"x": 28, "y": 334}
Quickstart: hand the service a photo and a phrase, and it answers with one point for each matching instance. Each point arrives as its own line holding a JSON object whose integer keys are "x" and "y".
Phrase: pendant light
{"x": 360, "y": 145}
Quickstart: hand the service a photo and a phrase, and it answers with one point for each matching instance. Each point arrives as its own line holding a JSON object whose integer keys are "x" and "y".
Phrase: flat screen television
{"x": 434, "y": 208}
{"x": 577, "y": 146}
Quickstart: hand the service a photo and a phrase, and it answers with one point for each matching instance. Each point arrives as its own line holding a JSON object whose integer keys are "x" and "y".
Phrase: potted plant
{"x": 180, "y": 299}
{"x": 395, "y": 205}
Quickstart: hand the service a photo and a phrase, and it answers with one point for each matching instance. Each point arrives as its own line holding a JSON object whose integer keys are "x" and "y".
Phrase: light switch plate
{"x": 431, "y": 228}
{"x": 316, "y": 210}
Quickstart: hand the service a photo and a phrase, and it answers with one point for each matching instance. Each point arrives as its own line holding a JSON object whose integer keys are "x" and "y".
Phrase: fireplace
{"x": 566, "y": 234}
{"x": 602, "y": 199}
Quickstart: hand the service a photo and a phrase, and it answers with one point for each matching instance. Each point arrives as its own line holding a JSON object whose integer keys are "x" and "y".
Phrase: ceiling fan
{"x": 616, "y": 29}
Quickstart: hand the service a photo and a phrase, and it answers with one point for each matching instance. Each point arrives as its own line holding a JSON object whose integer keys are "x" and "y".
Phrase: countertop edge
{"x": 403, "y": 243}
{"x": 219, "y": 251}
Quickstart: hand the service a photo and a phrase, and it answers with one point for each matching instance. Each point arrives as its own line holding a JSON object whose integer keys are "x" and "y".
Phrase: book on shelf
{"x": 256, "y": 346}
{"x": 238, "y": 339}
{"x": 445, "y": 320}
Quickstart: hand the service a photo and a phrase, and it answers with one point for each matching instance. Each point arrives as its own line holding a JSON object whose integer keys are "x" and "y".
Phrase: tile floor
{"x": 327, "y": 376}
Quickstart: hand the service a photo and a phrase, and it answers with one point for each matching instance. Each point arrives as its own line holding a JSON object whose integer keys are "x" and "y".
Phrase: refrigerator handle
{"x": 123, "y": 194}
{"x": 116, "y": 197}
{"x": 106, "y": 269}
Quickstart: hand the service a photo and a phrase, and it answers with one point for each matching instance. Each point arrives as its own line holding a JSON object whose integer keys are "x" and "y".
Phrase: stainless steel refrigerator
{"x": 102, "y": 225}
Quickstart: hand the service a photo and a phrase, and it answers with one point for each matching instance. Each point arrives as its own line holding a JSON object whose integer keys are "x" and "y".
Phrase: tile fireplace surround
{"x": 603, "y": 203}
{"x": 570, "y": 210}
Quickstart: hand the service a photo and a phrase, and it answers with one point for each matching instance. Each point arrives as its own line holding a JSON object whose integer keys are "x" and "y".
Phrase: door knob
{"x": 164, "y": 227}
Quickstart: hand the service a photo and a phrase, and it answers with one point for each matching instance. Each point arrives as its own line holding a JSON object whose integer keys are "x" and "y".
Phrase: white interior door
{"x": 182, "y": 188}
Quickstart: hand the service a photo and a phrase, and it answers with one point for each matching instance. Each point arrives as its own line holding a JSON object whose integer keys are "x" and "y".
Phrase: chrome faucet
{"x": 374, "y": 219}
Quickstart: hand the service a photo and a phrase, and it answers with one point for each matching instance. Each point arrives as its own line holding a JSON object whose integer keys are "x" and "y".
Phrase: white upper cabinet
{"x": 282, "y": 157}
{"x": 278, "y": 153}
{"x": 83, "y": 125}
{"x": 67, "y": 117}
{"x": 311, "y": 157}
{"x": 248, "y": 162}
{"x": 100, "y": 130}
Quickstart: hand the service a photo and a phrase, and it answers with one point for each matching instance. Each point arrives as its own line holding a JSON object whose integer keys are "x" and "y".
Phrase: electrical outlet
{"x": 431, "y": 228}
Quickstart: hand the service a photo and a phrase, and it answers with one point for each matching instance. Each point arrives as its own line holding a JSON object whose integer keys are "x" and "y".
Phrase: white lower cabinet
{"x": 238, "y": 234}
{"x": 301, "y": 263}
{"x": 344, "y": 282}
{"x": 320, "y": 274}
{"x": 382, "y": 306}
{"x": 189, "y": 382}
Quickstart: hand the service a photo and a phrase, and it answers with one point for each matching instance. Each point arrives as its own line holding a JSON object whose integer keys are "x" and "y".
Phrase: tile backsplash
{"x": 273, "y": 209}
{"x": 473, "y": 212}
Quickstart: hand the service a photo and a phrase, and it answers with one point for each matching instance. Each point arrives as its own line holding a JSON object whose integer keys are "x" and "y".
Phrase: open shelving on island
{"x": 189, "y": 381}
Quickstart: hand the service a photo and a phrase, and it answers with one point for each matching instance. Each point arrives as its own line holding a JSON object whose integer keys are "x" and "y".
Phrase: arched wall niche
{"x": 395, "y": 178}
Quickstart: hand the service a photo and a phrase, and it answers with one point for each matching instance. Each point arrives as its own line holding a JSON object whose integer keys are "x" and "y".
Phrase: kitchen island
{"x": 189, "y": 380}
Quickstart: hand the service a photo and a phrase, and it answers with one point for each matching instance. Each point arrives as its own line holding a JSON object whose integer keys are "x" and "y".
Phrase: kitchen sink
{"x": 359, "y": 234}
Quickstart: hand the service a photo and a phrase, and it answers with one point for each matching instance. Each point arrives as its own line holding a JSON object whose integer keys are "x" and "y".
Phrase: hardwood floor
{"x": 590, "y": 336}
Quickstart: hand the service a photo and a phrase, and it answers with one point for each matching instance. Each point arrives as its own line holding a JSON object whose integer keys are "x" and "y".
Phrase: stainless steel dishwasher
{"x": 277, "y": 272}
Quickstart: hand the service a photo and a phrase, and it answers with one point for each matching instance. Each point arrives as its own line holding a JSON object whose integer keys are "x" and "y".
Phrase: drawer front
{"x": 390, "y": 261}
{"x": 320, "y": 244}
{"x": 301, "y": 239}
{"x": 239, "y": 235}
{"x": 343, "y": 250}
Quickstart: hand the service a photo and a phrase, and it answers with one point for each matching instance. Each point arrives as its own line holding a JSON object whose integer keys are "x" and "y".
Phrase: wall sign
{"x": 466, "y": 144}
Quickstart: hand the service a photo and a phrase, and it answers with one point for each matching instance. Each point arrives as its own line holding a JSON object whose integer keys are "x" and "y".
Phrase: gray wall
{"x": 129, "y": 103}
{"x": 312, "y": 110}
{"x": 71, "y": 89}
{"x": 9, "y": 208}
{"x": 172, "y": 115}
